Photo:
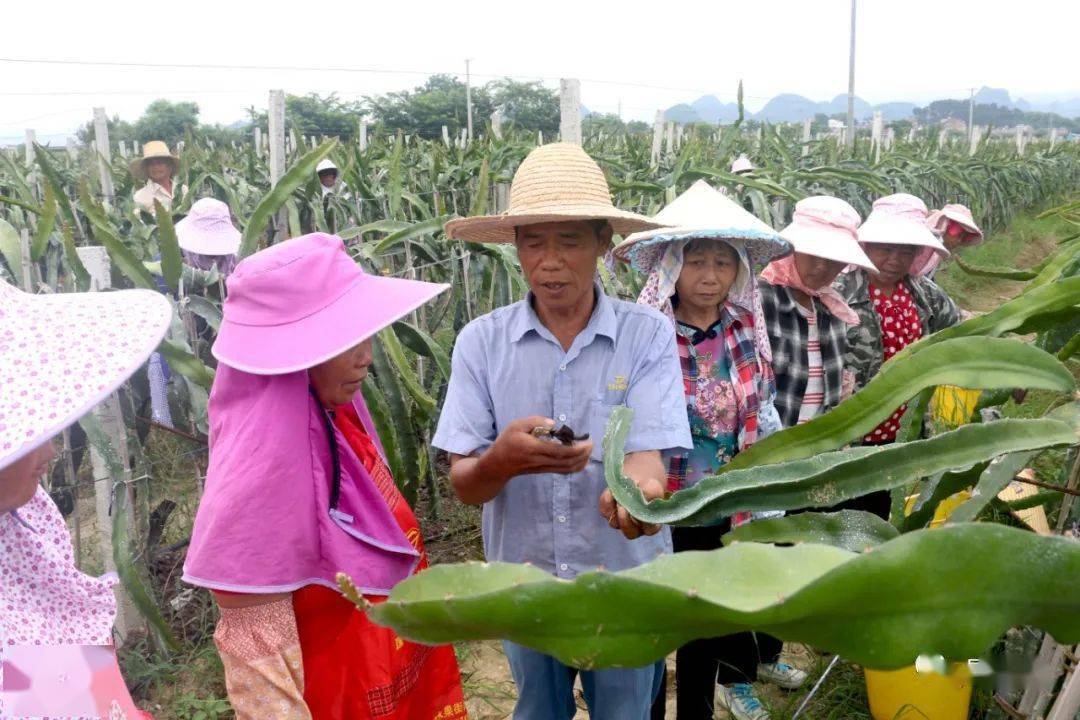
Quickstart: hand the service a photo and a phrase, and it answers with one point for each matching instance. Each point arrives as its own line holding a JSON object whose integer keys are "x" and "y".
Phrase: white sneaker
{"x": 741, "y": 701}
{"x": 781, "y": 675}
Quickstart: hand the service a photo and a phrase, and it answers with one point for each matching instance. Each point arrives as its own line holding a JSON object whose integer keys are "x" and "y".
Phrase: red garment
{"x": 900, "y": 326}
{"x": 354, "y": 669}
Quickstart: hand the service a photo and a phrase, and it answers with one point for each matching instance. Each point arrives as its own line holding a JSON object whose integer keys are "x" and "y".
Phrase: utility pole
{"x": 620, "y": 108}
{"x": 468, "y": 98}
{"x": 849, "y": 137}
{"x": 971, "y": 117}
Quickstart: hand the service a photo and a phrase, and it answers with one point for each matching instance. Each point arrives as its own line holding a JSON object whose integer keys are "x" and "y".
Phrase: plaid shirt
{"x": 865, "y": 351}
{"x": 787, "y": 330}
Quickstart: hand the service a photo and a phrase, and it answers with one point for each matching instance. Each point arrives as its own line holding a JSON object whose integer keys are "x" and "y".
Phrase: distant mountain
{"x": 863, "y": 109}
{"x": 788, "y": 108}
{"x": 891, "y": 111}
{"x": 711, "y": 110}
{"x": 994, "y": 96}
{"x": 682, "y": 114}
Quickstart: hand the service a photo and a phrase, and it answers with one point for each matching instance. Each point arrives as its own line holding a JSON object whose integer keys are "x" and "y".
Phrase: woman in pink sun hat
{"x": 298, "y": 490}
{"x": 807, "y": 319}
{"x": 956, "y": 227}
{"x": 60, "y": 355}
{"x": 896, "y": 306}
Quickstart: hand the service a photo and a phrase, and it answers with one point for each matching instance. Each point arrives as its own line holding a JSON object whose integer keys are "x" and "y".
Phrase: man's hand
{"x": 516, "y": 451}
{"x": 647, "y": 471}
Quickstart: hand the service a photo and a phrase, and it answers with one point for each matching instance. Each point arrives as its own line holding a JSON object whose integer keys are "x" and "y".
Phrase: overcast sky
{"x": 913, "y": 50}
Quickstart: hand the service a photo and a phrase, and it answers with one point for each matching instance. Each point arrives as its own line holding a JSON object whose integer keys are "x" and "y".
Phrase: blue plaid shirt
{"x": 507, "y": 366}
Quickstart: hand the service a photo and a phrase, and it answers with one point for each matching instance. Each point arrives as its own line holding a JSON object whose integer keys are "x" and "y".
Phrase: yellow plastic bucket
{"x": 905, "y": 694}
{"x": 953, "y": 405}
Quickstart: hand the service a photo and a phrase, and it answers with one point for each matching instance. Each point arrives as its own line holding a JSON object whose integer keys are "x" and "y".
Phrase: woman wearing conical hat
{"x": 806, "y": 318}
{"x": 564, "y": 356}
{"x": 700, "y": 268}
{"x": 60, "y": 355}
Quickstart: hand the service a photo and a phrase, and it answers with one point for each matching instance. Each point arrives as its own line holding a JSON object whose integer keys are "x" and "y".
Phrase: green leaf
{"x": 186, "y": 364}
{"x": 9, "y": 248}
{"x": 53, "y": 179}
{"x": 993, "y": 480}
{"x": 950, "y": 591}
{"x": 74, "y": 262}
{"x": 852, "y": 530}
{"x": 423, "y": 344}
{"x": 172, "y": 262}
{"x": 45, "y": 224}
{"x": 124, "y": 260}
{"x": 121, "y": 540}
{"x": 1012, "y": 316}
{"x": 405, "y": 372}
{"x": 207, "y": 310}
{"x": 1007, "y": 274}
{"x": 297, "y": 175}
{"x": 483, "y": 189}
{"x": 975, "y": 362}
{"x": 824, "y": 479}
{"x": 424, "y": 227}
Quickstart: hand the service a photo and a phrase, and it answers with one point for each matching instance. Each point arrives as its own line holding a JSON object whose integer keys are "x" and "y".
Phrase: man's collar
{"x": 601, "y": 322}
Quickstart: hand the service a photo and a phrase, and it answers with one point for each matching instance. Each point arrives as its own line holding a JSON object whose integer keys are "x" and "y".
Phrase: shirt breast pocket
{"x": 599, "y": 415}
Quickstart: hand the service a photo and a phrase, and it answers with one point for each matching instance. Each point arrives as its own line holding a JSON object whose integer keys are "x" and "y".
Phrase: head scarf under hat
{"x": 901, "y": 219}
{"x": 928, "y": 260}
{"x": 825, "y": 227}
{"x": 743, "y": 323}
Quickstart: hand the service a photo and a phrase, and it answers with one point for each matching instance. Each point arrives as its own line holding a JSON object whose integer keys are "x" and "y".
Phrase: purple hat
{"x": 303, "y": 302}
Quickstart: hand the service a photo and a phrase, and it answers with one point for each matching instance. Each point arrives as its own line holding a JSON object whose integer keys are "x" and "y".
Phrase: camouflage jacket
{"x": 864, "y": 355}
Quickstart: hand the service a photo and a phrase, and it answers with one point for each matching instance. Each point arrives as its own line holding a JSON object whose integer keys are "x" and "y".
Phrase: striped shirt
{"x": 814, "y": 394}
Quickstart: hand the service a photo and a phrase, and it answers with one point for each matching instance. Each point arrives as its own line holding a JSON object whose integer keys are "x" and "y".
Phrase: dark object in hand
{"x": 563, "y": 434}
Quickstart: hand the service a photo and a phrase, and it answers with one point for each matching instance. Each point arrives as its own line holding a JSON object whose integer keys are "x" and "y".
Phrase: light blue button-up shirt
{"x": 507, "y": 366}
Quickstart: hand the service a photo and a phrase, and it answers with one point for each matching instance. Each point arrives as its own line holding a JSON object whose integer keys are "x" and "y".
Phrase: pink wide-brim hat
{"x": 900, "y": 219}
{"x": 63, "y": 353}
{"x": 208, "y": 229}
{"x": 961, "y": 214}
{"x": 302, "y": 302}
{"x": 827, "y": 227}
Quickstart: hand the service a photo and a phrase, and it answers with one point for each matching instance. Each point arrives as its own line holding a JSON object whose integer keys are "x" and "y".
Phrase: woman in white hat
{"x": 156, "y": 167}
{"x": 328, "y": 176}
{"x": 700, "y": 276}
{"x": 60, "y": 355}
{"x": 806, "y": 318}
{"x": 896, "y": 307}
{"x": 207, "y": 236}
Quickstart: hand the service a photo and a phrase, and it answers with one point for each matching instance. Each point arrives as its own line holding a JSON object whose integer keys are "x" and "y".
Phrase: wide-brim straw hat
{"x": 151, "y": 150}
{"x": 827, "y": 227}
{"x": 704, "y": 212}
{"x": 900, "y": 219}
{"x": 554, "y": 183}
{"x": 297, "y": 304}
{"x": 208, "y": 229}
{"x": 63, "y": 353}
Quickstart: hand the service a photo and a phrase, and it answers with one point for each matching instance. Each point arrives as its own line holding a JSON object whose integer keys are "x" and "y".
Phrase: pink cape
{"x": 785, "y": 272}
{"x": 265, "y": 524}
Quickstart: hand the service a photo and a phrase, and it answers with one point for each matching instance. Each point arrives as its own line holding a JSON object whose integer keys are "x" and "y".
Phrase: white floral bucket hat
{"x": 61, "y": 354}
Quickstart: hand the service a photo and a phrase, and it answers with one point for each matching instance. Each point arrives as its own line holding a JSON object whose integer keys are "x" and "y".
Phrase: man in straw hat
{"x": 563, "y": 357}
{"x": 157, "y": 167}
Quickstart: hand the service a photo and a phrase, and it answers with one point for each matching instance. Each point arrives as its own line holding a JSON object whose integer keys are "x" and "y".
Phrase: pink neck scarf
{"x": 267, "y": 522}
{"x": 785, "y": 272}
